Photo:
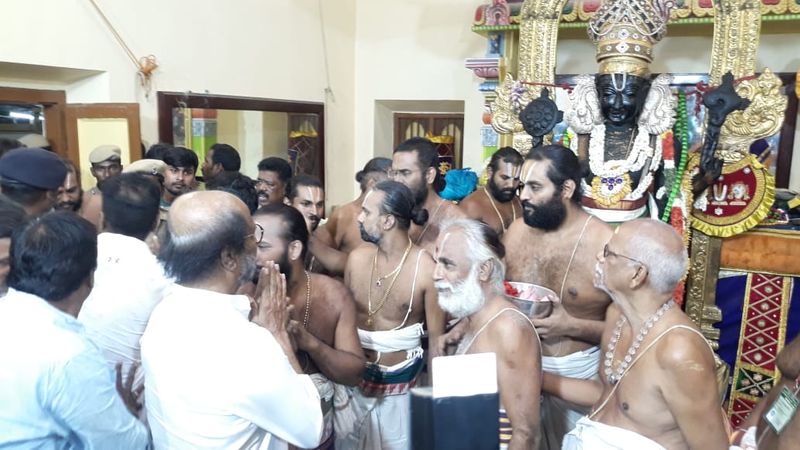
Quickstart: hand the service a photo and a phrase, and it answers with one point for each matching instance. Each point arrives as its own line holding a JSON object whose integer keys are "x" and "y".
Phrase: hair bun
{"x": 360, "y": 176}
{"x": 419, "y": 215}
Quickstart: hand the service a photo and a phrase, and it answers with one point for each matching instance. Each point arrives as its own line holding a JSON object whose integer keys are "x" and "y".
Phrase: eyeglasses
{"x": 258, "y": 234}
{"x": 403, "y": 173}
{"x": 607, "y": 253}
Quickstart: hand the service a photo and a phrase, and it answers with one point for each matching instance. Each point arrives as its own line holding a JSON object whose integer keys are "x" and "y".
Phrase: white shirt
{"x": 56, "y": 390}
{"x": 214, "y": 380}
{"x": 128, "y": 283}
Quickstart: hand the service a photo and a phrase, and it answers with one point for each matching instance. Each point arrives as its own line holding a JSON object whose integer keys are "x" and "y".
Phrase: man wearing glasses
{"x": 554, "y": 245}
{"x": 657, "y": 386}
{"x": 220, "y": 372}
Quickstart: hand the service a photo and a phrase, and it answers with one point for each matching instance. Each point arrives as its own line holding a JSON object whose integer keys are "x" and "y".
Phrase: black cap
{"x": 374, "y": 165}
{"x": 34, "y": 167}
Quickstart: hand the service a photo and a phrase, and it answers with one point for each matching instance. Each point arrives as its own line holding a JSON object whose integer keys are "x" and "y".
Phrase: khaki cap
{"x": 104, "y": 153}
{"x": 34, "y": 140}
{"x": 148, "y": 166}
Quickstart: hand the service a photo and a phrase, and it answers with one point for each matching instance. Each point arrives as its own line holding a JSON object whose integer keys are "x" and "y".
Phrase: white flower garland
{"x": 597, "y": 146}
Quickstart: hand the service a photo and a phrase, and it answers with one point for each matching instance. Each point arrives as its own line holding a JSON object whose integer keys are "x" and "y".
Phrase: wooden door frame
{"x": 54, "y": 103}
{"x": 77, "y": 111}
{"x": 169, "y": 100}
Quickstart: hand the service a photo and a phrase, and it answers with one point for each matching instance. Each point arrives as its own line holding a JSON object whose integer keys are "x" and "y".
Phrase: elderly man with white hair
{"x": 469, "y": 279}
{"x": 657, "y": 386}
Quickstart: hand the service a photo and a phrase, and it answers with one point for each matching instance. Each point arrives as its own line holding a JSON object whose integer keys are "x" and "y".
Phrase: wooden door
{"x": 89, "y": 125}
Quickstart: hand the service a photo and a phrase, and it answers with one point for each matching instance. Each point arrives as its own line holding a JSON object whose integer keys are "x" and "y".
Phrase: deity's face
{"x": 621, "y": 97}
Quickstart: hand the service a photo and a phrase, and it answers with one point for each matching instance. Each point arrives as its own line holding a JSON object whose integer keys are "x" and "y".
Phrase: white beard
{"x": 463, "y": 299}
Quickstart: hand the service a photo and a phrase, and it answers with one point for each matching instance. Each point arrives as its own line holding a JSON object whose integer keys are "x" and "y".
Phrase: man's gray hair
{"x": 483, "y": 244}
{"x": 665, "y": 267}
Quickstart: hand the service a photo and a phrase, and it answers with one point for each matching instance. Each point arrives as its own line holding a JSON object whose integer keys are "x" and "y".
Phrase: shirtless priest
{"x": 657, "y": 387}
{"x": 469, "y": 277}
{"x": 497, "y": 203}
{"x": 395, "y": 296}
{"x": 554, "y": 246}
{"x": 323, "y": 318}
{"x": 415, "y": 164}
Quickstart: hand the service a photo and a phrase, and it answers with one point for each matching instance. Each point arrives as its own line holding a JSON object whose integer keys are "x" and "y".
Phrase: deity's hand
{"x": 557, "y": 324}
{"x": 271, "y": 308}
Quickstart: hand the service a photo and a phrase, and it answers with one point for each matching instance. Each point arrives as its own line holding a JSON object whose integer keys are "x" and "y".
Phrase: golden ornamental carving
{"x": 764, "y": 117}
{"x": 512, "y": 97}
{"x": 538, "y": 35}
{"x": 701, "y": 285}
{"x": 737, "y": 24}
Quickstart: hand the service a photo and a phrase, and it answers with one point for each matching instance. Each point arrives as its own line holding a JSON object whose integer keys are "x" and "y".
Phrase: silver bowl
{"x": 533, "y": 300}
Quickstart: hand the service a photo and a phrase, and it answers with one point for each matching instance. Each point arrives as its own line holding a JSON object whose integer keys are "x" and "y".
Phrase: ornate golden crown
{"x": 625, "y": 32}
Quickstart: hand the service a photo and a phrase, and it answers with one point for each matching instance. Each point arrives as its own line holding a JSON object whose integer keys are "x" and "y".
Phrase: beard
{"x": 548, "y": 216}
{"x": 420, "y": 191}
{"x": 366, "y": 237}
{"x": 68, "y": 206}
{"x": 283, "y": 266}
{"x": 462, "y": 299}
{"x": 501, "y": 195}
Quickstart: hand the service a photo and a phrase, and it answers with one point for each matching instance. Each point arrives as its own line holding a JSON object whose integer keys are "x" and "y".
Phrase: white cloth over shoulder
{"x": 56, "y": 390}
{"x": 214, "y": 380}
{"x": 128, "y": 283}
{"x": 559, "y": 416}
{"x": 591, "y": 435}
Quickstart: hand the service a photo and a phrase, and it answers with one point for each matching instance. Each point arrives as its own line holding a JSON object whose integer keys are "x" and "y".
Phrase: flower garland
{"x": 682, "y": 128}
{"x": 635, "y": 160}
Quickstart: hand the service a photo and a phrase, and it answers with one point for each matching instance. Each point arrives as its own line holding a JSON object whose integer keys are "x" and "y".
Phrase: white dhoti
{"x": 560, "y": 416}
{"x": 326, "y": 389}
{"x": 376, "y": 414}
{"x": 591, "y": 435}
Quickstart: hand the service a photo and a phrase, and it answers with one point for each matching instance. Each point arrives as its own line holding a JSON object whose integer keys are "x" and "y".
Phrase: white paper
{"x": 464, "y": 375}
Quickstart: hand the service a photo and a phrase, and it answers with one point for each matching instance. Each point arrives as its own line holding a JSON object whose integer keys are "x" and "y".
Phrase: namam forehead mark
{"x": 311, "y": 194}
{"x": 366, "y": 197}
{"x": 527, "y": 177}
{"x": 440, "y": 247}
{"x": 511, "y": 170}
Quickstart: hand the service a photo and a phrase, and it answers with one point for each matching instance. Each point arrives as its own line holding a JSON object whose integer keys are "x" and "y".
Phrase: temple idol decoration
{"x": 629, "y": 128}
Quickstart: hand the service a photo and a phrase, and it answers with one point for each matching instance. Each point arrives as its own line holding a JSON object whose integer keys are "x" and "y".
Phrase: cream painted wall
{"x": 257, "y": 48}
{"x": 414, "y": 50}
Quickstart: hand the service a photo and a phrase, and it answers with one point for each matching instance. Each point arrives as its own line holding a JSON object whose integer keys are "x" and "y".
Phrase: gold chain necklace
{"x": 371, "y": 312}
{"x": 430, "y": 219}
{"x": 497, "y": 211}
{"x": 308, "y": 300}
